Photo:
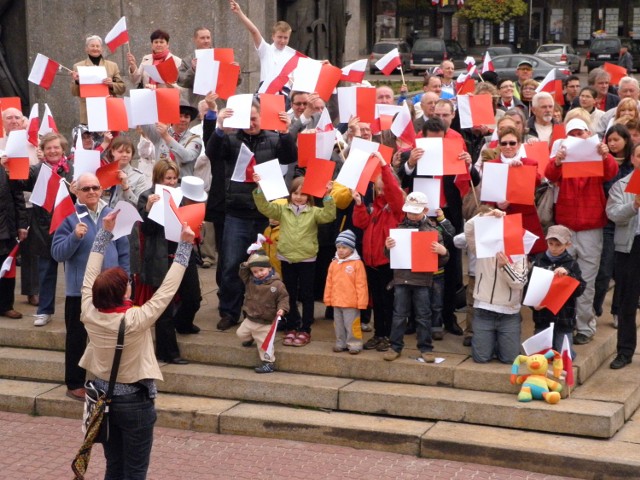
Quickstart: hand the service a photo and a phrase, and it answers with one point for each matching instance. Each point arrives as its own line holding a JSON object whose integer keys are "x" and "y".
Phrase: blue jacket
{"x": 74, "y": 251}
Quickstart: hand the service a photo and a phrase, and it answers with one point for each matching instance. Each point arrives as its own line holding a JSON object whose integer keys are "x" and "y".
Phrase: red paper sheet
{"x": 367, "y": 175}
{"x": 616, "y": 72}
{"x": 538, "y": 151}
{"x": 108, "y": 175}
{"x": 422, "y": 258}
{"x": 319, "y": 173}
{"x": 482, "y": 110}
{"x": 582, "y": 169}
{"x": 94, "y": 90}
{"x": 328, "y": 80}
{"x": 306, "y": 148}
{"x": 227, "y": 80}
{"x": 451, "y": 149}
{"x": 634, "y": 183}
{"x": 366, "y": 104}
{"x": 521, "y": 185}
{"x": 168, "y": 101}
{"x": 561, "y": 289}
{"x": 10, "y": 102}
{"x": 18, "y": 168}
{"x": 194, "y": 216}
{"x": 513, "y": 233}
{"x": 557, "y": 133}
{"x": 168, "y": 70}
{"x": 270, "y": 106}
{"x": 223, "y": 55}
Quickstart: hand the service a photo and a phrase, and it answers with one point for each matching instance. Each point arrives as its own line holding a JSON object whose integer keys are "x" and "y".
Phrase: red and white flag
{"x": 43, "y": 71}
{"x": 243, "y": 170}
{"x": 541, "y": 342}
{"x": 214, "y": 75}
{"x": 91, "y": 81}
{"x": 475, "y": 110}
{"x": 354, "y": 72}
{"x": 33, "y": 125}
{"x": 553, "y": 85}
{"x": 268, "y": 345}
{"x": 487, "y": 64}
{"x": 470, "y": 62}
{"x": 279, "y": 76}
{"x": 441, "y": 156}
{"x": 324, "y": 122}
{"x": 567, "y": 361}
{"x": 314, "y": 76}
{"x": 63, "y": 206}
{"x": 8, "y": 269}
{"x": 389, "y": 62}
{"x": 17, "y": 153}
{"x": 503, "y": 183}
{"x": 545, "y": 289}
{"x": 48, "y": 124}
{"x": 107, "y": 113}
{"x": 164, "y": 72}
{"x": 358, "y": 169}
{"x": 357, "y": 102}
{"x": 118, "y": 35}
{"x": 384, "y": 117}
{"x": 150, "y": 106}
{"x": 582, "y": 157}
{"x": 402, "y": 127}
{"x": 634, "y": 183}
{"x": 46, "y": 188}
{"x": 495, "y": 235}
{"x": 465, "y": 84}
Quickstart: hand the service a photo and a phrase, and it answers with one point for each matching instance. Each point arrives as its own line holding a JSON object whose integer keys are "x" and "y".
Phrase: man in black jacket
{"x": 242, "y": 221}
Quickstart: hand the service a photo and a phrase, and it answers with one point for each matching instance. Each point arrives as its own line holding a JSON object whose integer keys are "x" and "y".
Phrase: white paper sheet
{"x": 16, "y": 146}
{"x": 431, "y": 161}
{"x": 241, "y": 106}
{"x": 144, "y": 106}
{"x": 157, "y": 209}
{"x": 271, "y": 180}
{"x": 91, "y": 75}
{"x": 352, "y": 168}
{"x": 206, "y": 77}
{"x": 400, "y": 255}
{"x": 538, "y": 286}
{"x": 125, "y": 220}
{"x": 539, "y": 342}
{"x": 305, "y": 75}
{"x": 582, "y": 150}
{"x": 97, "y": 114}
{"x": 172, "y": 225}
{"x": 494, "y": 182}
{"x": 85, "y": 161}
{"x": 347, "y": 102}
{"x": 489, "y": 233}
{"x": 431, "y": 188}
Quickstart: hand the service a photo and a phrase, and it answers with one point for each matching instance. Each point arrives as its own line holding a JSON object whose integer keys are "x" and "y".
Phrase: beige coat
{"x": 113, "y": 72}
{"x": 138, "y": 358}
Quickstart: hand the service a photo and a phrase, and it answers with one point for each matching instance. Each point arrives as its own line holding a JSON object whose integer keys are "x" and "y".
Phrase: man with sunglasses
{"x": 71, "y": 244}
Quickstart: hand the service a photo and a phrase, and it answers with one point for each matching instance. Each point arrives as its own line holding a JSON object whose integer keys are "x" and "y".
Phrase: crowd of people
{"x": 334, "y": 249}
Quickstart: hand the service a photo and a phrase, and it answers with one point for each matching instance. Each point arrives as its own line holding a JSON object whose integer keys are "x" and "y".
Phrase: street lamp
{"x": 530, "y": 16}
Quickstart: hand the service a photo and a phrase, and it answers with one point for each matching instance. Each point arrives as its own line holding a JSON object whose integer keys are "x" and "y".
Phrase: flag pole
{"x": 402, "y": 75}
{"x": 65, "y": 68}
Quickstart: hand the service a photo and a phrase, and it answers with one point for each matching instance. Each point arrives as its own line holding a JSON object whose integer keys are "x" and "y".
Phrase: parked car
{"x": 430, "y": 52}
{"x": 607, "y": 49}
{"x": 384, "y": 46}
{"x": 560, "y": 53}
{"x": 505, "y": 66}
{"x": 497, "y": 50}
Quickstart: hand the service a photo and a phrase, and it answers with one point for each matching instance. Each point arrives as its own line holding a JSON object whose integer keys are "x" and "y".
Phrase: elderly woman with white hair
{"x": 93, "y": 47}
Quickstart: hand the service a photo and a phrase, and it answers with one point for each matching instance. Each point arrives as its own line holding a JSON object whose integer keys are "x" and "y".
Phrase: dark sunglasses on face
{"x": 511, "y": 143}
{"x": 93, "y": 188}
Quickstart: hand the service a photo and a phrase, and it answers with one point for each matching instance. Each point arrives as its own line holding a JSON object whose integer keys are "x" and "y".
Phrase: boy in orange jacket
{"x": 346, "y": 291}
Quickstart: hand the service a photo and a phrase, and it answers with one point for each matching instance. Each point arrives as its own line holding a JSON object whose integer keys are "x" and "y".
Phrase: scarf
{"x": 160, "y": 57}
{"x": 619, "y": 160}
{"x": 119, "y": 309}
{"x": 555, "y": 259}
{"x": 95, "y": 60}
{"x": 61, "y": 166}
{"x": 508, "y": 161}
{"x": 265, "y": 279}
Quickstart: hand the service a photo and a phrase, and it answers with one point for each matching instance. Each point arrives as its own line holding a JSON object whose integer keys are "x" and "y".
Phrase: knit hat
{"x": 259, "y": 259}
{"x": 347, "y": 238}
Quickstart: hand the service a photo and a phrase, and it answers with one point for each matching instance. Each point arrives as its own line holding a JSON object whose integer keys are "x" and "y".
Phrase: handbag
{"x": 544, "y": 201}
{"x": 95, "y": 419}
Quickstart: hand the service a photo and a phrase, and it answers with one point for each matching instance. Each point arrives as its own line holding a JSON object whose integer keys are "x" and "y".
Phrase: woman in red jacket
{"x": 375, "y": 220}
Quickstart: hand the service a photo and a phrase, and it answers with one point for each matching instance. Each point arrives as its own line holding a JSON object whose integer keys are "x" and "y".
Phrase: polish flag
{"x": 634, "y": 183}
{"x": 493, "y": 141}
{"x": 413, "y": 250}
{"x": 48, "y": 123}
{"x": 172, "y": 223}
{"x": 164, "y": 72}
{"x": 487, "y": 64}
{"x": 33, "y": 126}
{"x": 43, "y": 71}
{"x": 503, "y": 183}
{"x": 280, "y": 76}
{"x": 567, "y": 361}
{"x": 324, "y": 122}
{"x": 63, "y": 206}
{"x": 389, "y": 62}
{"x": 475, "y": 110}
{"x": 615, "y": 71}
{"x": 499, "y": 234}
{"x": 315, "y": 145}
{"x": 357, "y": 170}
{"x": 465, "y": 83}
{"x": 545, "y": 289}
{"x": 402, "y": 127}
{"x": 582, "y": 157}
{"x": 148, "y": 107}
{"x": 539, "y": 343}
{"x": 118, "y": 35}
{"x": 107, "y": 113}
{"x": 553, "y": 85}
{"x": 384, "y": 117}
{"x": 268, "y": 345}
{"x": 214, "y": 74}
{"x": 470, "y": 62}
{"x": 243, "y": 170}
{"x": 17, "y": 153}
{"x": 45, "y": 189}
{"x": 440, "y": 156}
{"x": 357, "y": 102}
{"x": 354, "y": 72}
{"x": 8, "y": 268}
{"x": 91, "y": 81}
{"x": 313, "y": 76}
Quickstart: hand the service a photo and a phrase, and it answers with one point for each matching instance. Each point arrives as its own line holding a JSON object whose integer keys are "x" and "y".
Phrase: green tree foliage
{"x": 496, "y": 11}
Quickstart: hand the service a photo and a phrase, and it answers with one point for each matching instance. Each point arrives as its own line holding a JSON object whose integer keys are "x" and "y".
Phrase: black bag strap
{"x": 116, "y": 360}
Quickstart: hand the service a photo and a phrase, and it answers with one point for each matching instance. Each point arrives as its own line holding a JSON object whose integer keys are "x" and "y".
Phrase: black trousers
{"x": 75, "y": 344}
{"x": 378, "y": 278}
{"x": 627, "y": 267}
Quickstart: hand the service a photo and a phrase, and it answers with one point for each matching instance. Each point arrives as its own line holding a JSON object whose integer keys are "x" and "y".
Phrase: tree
{"x": 496, "y": 11}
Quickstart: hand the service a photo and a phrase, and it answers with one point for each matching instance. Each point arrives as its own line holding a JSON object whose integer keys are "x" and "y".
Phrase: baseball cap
{"x": 560, "y": 233}
{"x": 416, "y": 202}
{"x": 525, "y": 63}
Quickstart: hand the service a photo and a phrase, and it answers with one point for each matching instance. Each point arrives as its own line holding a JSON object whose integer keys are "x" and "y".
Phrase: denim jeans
{"x": 437, "y": 300}
{"x": 495, "y": 334}
{"x": 48, "y": 277}
{"x": 406, "y": 296}
{"x": 238, "y": 234}
{"x": 74, "y": 345}
{"x": 130, "y": 439}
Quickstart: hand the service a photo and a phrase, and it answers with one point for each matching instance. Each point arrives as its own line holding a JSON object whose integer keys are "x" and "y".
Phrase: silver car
{"x": 560, "y": 53}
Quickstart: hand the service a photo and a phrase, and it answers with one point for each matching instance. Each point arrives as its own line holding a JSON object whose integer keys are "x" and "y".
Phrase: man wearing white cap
{"x": 581, "y": 207}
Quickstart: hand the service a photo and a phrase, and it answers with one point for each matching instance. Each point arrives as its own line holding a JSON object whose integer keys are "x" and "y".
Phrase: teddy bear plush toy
{"x": 536, "y": 384}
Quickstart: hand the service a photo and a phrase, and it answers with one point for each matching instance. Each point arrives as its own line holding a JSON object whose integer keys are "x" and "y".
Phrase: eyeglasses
{"x": 511, "y": 143}
{"x": 92, "y": 188}
{"x": 300, "y": 104}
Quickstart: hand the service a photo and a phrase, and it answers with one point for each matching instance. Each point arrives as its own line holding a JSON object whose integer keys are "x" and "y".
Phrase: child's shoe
{"x": 338, "y": 349}
{"x": 266, "y": 367}
{"x": 354, "y": 351}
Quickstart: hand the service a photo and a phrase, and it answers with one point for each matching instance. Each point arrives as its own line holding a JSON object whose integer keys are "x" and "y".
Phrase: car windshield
{"x": 500, "y": 50}
{"x": 428, "y": 45}
{"x": 550, "y": 49}
{"x": 606, "y": 45}
{"x": 384, "y": 47}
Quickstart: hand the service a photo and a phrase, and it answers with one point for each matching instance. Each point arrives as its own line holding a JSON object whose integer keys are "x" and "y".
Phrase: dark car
{"x": 607, "y": 49}
{"x": 430, "y": 52}
{"x": 505, "y": 66}
{"x": 384, "y": 46}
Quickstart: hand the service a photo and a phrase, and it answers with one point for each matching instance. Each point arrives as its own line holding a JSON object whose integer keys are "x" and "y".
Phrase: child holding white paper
{"x": 412, "y": 290}
{"x": 560, "y": 261}
{"x": 297, "y": 251}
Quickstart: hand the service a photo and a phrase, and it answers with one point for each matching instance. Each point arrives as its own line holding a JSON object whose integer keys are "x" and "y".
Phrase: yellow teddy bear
{"x": 536, "y": 385}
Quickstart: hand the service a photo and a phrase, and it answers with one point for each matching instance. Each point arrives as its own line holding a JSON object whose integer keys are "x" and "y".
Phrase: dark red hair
{"x": 109, "y": 288}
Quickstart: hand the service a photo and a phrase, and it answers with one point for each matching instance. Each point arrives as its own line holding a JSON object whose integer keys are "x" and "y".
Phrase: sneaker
{"x": 339, "y": 349}
{"x": 428, "y": 357}
{"x": 266, "y": 367}
{"x": 353, "y": 351}
{"x": 384, "y": 345}
{"x": 467, "y": 341}
{"x": 581, "y": 339}
{"x": 372, "y": 343}
{"x": 391, "y": 355}
{"x": 366, "y": 327}
{"x": 615, "y": 321}
{"x": 620, "y": 361}
{"x": 248, "y": 343}
{"x": 41, "y": 319}
{"x": 225, "y": 323}
{"x": 439, "y": 335}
